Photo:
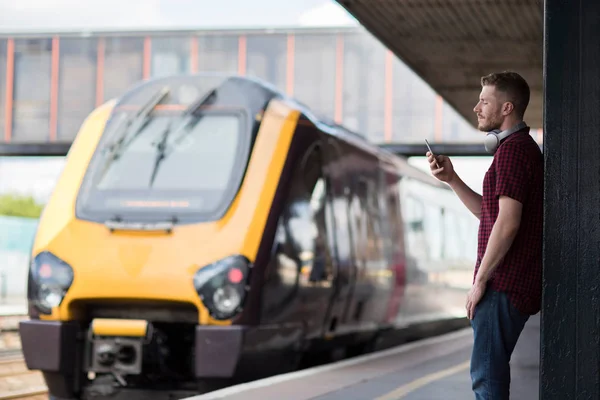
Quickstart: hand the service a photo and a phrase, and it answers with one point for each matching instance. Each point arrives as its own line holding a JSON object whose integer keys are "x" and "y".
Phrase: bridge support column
{"x": 570, "y": 336}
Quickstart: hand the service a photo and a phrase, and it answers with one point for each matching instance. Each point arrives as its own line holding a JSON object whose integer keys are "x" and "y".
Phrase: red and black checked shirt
{"x": 516, "y": 172}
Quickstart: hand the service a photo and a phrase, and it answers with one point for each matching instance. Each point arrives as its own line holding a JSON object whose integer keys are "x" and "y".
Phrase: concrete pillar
{"x": 570, "y": 341}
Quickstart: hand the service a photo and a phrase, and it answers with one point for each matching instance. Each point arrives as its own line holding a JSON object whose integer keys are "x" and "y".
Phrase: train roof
{"x": 334, "y": 129}
{"x": 266, "y": 92}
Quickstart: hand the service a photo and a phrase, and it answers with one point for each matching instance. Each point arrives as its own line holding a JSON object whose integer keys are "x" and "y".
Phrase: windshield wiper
{"x": 122, "y": 130}
{"x": 188, "y": 117}
{"x": 136, "y": 120}
{"x": 189, "y": 113}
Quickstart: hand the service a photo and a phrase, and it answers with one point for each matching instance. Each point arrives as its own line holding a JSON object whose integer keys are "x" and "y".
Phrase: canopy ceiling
{"x": 452, "y": 43}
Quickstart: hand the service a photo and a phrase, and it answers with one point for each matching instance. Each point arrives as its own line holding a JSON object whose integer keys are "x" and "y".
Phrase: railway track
{"x": 16, "y": 381}
{"x": 38, "y": 393}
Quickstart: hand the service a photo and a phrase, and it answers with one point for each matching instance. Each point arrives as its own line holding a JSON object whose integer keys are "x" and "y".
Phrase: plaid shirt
{"x": 516, "y": 172}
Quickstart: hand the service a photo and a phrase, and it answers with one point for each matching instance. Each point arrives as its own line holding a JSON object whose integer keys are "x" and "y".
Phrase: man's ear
{"x": 507, "y": 108}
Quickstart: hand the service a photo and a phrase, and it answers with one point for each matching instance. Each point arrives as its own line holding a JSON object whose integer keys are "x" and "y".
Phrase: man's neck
{"x": 507, "y": 124}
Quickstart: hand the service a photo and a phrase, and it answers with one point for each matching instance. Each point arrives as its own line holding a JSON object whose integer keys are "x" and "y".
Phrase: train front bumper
{"x": 50, "y": 346}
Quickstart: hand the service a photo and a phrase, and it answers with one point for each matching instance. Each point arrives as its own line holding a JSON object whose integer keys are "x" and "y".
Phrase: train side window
{"x": 434, "y": 223}
{"x": 416, "y": 239}
{"x": 457, "y": 240}
{"x": 414, "y": 214}
{"x": 338, "y": 223}
{"x": 451, "y": 235}
{"x": 359, "y": 223}
{"x": 354, "y": 223}
{"x": 376, "y": 250}
{"x": 304, "y": 220}
{"x": 393, "y": 217}
{"x": 316, "y": 192}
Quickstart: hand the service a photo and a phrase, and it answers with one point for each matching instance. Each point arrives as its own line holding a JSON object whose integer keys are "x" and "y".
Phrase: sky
{"x": 26, "y": 15}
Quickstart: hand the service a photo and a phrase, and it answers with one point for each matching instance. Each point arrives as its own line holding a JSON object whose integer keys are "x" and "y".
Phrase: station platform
{"x": 430, "y": 369}
{"x": 13, "y": 308}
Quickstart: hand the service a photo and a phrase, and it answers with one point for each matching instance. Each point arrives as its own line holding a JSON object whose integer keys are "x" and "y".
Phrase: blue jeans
{"x": 497, "y": 325}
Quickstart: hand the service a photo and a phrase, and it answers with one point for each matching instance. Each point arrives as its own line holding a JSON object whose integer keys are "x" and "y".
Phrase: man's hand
{"x": 473, "y": 297}
{"x": 441, "y": 167}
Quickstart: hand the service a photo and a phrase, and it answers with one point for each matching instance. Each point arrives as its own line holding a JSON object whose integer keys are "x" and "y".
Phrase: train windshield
{"x": 168, "y": 168}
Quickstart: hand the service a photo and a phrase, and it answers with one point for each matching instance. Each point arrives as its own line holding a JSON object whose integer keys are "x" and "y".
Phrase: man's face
{"x": 489, "y": 109}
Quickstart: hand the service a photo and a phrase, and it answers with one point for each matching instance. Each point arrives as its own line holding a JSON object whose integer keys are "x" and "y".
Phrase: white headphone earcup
{"x": 490, "y": 142}
{"x": 493, "y": 138}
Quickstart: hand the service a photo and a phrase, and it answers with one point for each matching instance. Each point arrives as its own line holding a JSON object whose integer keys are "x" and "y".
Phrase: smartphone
{"x": 432, "y": 153}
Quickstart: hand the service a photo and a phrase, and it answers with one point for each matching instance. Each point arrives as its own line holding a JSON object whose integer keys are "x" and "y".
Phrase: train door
{"x": 338, "y": 235}
{"x": 298, "y": 286}
{"x": 318, "y": 261}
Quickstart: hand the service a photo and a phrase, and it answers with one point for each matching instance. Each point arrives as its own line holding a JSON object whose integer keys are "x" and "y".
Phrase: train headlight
{"x": 49, "y": 280}
{"x": 222, "y": 286}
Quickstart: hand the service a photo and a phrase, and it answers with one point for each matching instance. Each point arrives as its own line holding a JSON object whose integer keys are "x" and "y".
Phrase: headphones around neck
{"x": 492, "y": 139}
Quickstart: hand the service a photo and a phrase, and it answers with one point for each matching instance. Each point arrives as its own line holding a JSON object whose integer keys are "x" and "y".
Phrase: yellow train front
{"x": 190, "y": 234}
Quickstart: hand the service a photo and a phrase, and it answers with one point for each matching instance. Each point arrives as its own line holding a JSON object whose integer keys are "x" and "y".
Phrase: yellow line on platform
{"x": 418, "y": 383}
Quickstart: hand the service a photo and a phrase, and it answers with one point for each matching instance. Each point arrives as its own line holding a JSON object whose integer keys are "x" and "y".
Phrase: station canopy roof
{"x": 452, "y": 43}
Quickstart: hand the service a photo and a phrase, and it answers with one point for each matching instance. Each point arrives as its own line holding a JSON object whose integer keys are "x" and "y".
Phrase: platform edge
{"x": 236, "y": 389}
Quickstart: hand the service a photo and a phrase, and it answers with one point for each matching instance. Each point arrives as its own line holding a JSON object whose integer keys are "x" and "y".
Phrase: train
{"x": 207, "y": 226}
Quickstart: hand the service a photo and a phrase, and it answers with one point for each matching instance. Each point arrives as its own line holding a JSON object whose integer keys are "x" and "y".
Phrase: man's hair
{"x": 515, "y": 87}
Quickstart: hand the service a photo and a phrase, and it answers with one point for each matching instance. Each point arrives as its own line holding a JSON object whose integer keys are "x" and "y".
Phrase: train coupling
{"x": 114, "y": 346}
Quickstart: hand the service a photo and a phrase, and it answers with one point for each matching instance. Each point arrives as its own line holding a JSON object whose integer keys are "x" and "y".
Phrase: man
{"x": 507, "y": 280}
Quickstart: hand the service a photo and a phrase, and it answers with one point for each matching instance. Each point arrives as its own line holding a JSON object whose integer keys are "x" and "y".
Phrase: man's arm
{"x": 469, "y": 198}
{"x": 501, "y": 238}
{"x": 503, "y": 234}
